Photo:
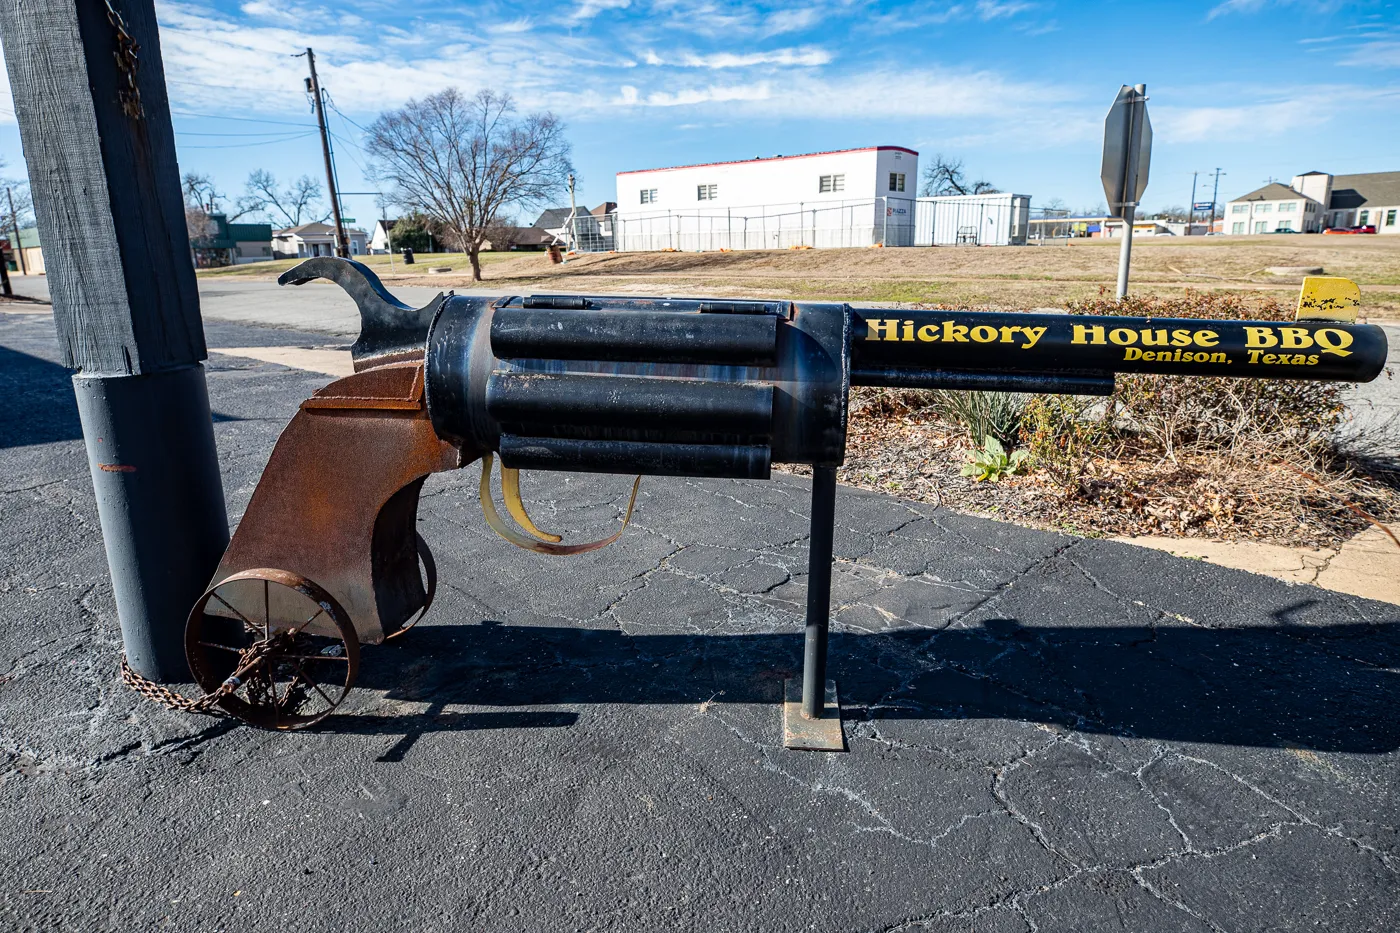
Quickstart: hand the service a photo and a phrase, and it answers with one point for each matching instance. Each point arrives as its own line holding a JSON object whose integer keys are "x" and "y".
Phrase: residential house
{"x": 1272, "y": 208}
{"x": 1317, "y": 201}
{"x": 30, "y": 252}
{"x": 315, "y": 239}
{"x": 594, "y": 229}
{"x": 230, "y": 244}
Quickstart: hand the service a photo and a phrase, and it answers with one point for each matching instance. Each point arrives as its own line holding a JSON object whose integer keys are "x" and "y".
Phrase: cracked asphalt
{"x": 1046, "y": 733}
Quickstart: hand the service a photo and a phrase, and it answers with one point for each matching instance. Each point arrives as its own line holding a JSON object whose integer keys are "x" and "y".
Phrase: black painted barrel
{"x": 887, "y": 344}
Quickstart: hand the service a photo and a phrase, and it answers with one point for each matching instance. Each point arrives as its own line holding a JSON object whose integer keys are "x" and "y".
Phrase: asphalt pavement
{"x": 1046, "y": 732}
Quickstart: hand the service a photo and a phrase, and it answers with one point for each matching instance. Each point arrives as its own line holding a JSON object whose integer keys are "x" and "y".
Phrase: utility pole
{"x": 14, "y": 222}
{"x": 1191, "y": 208}
{"x": 1215, "y": 200}
{"x": 313, "y": 84}
{"x": 573, "y": 216}
{"x": 94, "y": 119}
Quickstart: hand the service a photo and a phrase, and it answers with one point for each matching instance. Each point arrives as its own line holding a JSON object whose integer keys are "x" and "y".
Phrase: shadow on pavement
{"x": 39, "y": 404}
{"x": 1324, "y": 688}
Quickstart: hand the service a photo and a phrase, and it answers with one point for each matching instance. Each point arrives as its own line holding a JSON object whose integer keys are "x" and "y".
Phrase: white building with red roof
{"x": 851, "y": 197}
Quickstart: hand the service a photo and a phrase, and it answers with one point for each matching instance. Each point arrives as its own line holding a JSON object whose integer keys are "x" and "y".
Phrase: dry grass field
{"x": 1000, "y": 277}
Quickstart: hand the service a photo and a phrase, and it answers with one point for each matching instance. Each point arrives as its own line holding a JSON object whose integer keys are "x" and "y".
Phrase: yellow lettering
{"x": 1006, "y": 334}
{"x": 1218, "y": 358}
{"x": 881, "y": 329}
{"x": 1270, "y": 359}
{"x": 1034, "y": 334}
{"x": 1154, "y": 338}
{"x": 908, "y": 331}
{"x": 954, "y": 333}
{"x": 1295, "y": 338}
{"x": 1122, "y": 336}
{"x": 1323, "y": 338}
{"x": 928, "y": 333}
{"x": 1132, "y": 353}
{"x": 1206, "y": 338}
{"x": 1088, "y": 334}
{"x": 984, "y": 334}
{"x": 1254, "y": 355}
{"x": 1312, "y": 359}
{"x": 1181, "y": 338}
{"x": 1260, "y": 337}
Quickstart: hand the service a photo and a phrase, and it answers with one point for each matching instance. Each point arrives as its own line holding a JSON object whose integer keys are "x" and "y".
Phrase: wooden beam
{"x": 94, "y": 119}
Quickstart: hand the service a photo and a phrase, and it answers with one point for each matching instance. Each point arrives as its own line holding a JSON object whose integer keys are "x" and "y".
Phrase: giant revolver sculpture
{"x": 327, "y": 556}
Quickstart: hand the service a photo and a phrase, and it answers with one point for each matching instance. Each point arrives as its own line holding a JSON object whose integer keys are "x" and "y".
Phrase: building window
{"x": 1365, "y": 218}
{"x": 1237, "y": 228}
{"x": 1288, "y": 207}
{"x": 706, "y": 192}
{"x": 1390, "y": 218}
{"x": 1264, "y": 208}
{"x": 829, "y": 183}
{"x": 648, "y": 195}
{"x": 1239, "y": 209}
{"x": 896, "y": 181}
{"x": 1261, "y": 226}
{"x": 1284, "y": 225}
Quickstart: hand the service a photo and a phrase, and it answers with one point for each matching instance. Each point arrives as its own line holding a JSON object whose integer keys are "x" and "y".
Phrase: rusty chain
{"x": 248, "y": 658}
{"x": 127, "y": 63}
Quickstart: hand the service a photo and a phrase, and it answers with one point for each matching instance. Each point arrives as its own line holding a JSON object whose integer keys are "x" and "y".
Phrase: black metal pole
{"x": 818, "y": 591}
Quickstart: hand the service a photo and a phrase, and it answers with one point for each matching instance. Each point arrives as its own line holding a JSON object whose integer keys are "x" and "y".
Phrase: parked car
{"x": 1286, "y": 230}
{"x": 1368, "y": 228}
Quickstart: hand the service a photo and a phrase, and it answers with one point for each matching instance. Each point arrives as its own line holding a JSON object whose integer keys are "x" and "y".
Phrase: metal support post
{"x": 812, "y": 717}
{"x": 1125, "y": 251}
{"x": 150, "y": 446}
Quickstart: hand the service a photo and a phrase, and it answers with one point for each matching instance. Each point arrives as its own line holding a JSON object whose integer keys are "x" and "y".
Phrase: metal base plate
{"x": 811, "y": 735}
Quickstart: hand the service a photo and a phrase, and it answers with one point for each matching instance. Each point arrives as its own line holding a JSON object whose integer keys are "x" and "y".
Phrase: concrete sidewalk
{"x": 1046, "y": 733}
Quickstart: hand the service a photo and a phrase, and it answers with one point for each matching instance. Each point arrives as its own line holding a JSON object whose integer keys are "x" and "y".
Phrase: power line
{"x": 214, "y": 116}
{"x": 265, "y": 142}
{"x": 243, "y": 135}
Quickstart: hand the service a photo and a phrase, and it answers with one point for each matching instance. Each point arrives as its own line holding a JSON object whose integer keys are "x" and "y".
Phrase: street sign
{"x": 1127, "y": 154}
{"x": 1203, "y": 206}
{"x": 1127, "y": 149}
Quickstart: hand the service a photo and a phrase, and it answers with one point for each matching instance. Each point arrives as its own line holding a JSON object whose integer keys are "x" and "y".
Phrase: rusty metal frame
{"x": 338, "y": 501}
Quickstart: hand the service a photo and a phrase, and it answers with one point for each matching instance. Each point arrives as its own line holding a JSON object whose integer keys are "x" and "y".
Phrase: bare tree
{"x": 945, "y": 176}
{"x": 293, "y": 205}
{"x": 468, "y": 160}
{"x": 201, "y": 200}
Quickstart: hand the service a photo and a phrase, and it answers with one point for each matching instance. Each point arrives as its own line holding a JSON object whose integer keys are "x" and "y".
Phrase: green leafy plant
{"x": 980, "y": 413}
{"x": 992, "y": 462}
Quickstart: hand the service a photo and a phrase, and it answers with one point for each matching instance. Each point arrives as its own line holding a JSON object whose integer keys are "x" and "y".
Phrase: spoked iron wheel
{"x": 429, "y": 568}
{"x": 278, "y": 646}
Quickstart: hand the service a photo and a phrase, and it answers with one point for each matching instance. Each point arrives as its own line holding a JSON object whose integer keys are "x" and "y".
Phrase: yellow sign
{"x": 1328, "y": 298}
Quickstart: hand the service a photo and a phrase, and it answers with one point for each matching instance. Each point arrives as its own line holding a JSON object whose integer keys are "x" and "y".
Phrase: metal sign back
{"x": 1127, "y": 148}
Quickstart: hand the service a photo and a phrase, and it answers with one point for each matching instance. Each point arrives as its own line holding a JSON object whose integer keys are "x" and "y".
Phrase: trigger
{"x": 510, "y": 491}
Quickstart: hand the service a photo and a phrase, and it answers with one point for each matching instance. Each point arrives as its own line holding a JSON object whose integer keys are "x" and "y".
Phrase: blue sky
{"x": 1016, "y": 88}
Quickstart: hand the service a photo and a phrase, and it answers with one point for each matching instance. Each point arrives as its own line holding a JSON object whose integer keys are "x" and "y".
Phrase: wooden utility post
{"x": 14, "y": 222}
{"x": 90, "y": 99}
{"x": 342, "y": 243}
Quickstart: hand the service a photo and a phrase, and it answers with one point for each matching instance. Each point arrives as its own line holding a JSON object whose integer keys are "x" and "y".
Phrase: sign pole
{"x": 1127, "y": 149}
{"x": 1125, "y": 252}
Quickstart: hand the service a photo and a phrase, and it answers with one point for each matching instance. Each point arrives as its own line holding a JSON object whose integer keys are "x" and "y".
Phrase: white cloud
{"x": 1303, "y": 109}
{"x": 631, "y": 97}
{"x": 988, "y": 10}
{"x": 808, "y": 56}
{"x": 585, "y": 10}
{"x": 1375, "y": 55}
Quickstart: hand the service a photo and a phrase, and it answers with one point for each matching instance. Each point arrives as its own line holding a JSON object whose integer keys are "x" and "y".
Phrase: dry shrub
{"x": 1214, "y": 455}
